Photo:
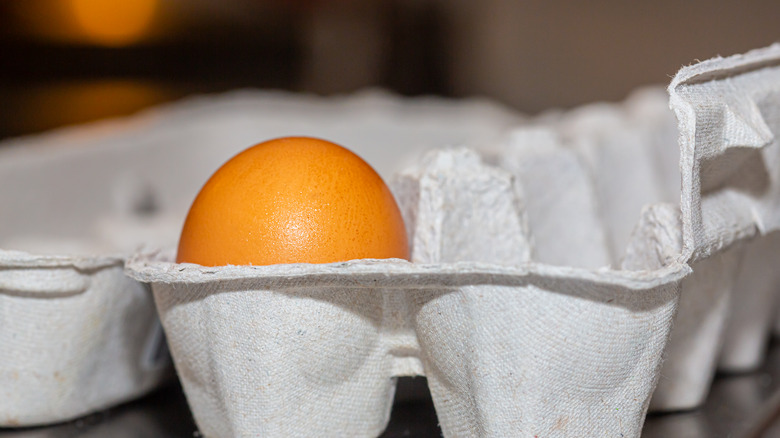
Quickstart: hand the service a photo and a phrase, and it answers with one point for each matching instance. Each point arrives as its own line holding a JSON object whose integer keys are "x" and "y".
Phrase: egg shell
{"x": 292, "y": 200}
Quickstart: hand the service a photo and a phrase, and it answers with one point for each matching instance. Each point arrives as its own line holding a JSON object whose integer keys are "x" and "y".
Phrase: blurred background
{"x": 72, "y": 61}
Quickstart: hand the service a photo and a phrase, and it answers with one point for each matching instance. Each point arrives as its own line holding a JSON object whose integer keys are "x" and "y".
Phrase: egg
{"x": 293, "y": 200}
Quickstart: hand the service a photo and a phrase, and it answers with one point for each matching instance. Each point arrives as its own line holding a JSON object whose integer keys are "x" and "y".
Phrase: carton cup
{"x": 294, "y": 350}
{"x": 77, "y": 335}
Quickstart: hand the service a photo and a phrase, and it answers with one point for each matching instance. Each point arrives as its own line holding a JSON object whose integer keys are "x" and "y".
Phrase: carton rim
{"x": 10, "y": 259}
{"x": 370, "y": 273}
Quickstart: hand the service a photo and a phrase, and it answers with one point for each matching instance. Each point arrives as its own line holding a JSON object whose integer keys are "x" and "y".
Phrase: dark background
{"x": 69, "y": 61}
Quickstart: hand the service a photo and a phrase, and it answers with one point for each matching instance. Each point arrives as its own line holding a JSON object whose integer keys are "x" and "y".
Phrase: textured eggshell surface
{"x": 293, "y": 200}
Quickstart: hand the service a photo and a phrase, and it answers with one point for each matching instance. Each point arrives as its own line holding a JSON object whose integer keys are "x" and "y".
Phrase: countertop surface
{"x": 739, "y": 406}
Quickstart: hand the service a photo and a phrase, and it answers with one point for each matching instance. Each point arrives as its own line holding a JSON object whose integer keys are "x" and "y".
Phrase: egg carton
{"x": 495, "y": 333}
{"x": 509, "y": 347}
{"x": 542, "y": 287}
{"x": 77, "y": 334}
{"x": 513, "y": 368}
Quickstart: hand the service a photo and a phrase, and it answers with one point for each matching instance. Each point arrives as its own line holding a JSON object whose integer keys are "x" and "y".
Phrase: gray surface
{"x": 739, "y": 406}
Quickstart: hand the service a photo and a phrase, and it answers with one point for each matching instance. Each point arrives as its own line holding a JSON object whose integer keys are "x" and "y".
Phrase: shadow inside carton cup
{"x": 742, "y": 169}
{"x": 140, "y": 321}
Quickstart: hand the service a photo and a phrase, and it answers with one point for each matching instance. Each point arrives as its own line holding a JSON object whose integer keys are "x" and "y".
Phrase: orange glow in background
{"x": 94, "y": 22}
{"x": 113, "y": 23}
